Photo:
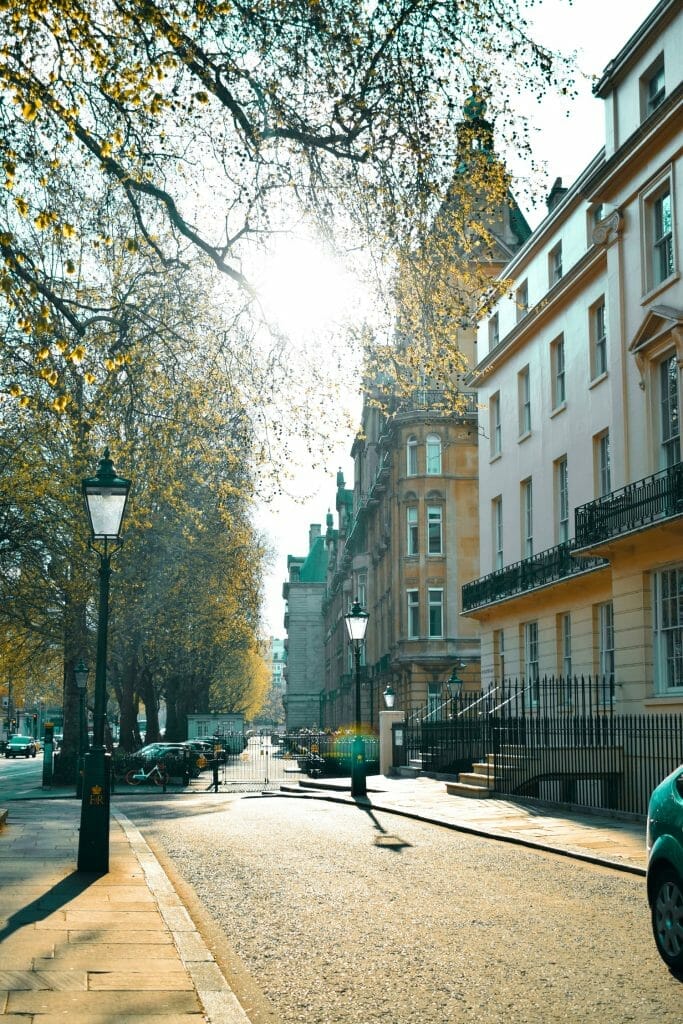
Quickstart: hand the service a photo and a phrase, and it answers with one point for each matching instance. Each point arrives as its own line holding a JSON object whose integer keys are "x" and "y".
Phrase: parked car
{"x": 155, "y": 751}
{"x": 21, "y": 746}
{"x": 201, "y": 751}
{"x": 665, "y": 869}
{"x": 173, "y": 755}
{"x": 200, "y": 746}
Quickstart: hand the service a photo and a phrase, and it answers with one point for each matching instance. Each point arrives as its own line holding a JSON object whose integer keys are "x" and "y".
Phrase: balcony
{"x": 638, "y": 505}
{"x": 550, "y": 566}
{"x": 434, "y": 400}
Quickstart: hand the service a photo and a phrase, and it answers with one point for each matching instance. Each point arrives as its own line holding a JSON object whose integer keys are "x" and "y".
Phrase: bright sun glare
{"x": 303, "y": 289}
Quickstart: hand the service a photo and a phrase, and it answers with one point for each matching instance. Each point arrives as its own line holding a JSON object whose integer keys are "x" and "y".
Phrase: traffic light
{"x": 35, "y": 726}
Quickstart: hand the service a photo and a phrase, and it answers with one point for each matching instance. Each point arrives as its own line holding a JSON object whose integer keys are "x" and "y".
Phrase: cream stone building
{"x": 579, "y": 377}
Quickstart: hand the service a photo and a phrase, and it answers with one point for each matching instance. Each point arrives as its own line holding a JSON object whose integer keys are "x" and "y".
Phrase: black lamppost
{"x": 105, "y": 496}
{"x": 356, "y": 624}
{"x": 81, "y": 671}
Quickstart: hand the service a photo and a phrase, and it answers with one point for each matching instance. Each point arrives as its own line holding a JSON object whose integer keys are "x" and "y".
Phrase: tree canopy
{"x": 216, "y": 123}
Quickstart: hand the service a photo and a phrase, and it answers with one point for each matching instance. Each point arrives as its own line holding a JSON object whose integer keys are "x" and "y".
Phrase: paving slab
{"x": 97, "y": 949}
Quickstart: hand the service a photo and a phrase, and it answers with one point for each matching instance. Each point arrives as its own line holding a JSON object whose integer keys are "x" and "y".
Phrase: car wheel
{"x": 667, "y": 919}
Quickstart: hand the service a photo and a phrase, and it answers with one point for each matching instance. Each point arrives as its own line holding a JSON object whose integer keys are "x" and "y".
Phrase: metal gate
{"x": 262, "y": 765}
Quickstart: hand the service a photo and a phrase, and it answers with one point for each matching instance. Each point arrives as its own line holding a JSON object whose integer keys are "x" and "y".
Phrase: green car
{"x": 665, "y": 869}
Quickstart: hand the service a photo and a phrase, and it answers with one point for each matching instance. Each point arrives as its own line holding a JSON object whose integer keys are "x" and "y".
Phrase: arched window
{"x": 433, "y": 454}
{"x": 411, "y": 456}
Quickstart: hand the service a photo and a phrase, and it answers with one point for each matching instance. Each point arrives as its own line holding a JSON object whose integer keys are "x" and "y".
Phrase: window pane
{"x": 524, "y": 402}
{"x": 562, "y": 501}
{"x": 413, "y": 531}
{"x": 669, "y": 628}
{"x": 435, "y": 613}
{"x": 433, "y": 455}
{"x": 599, "y": 331}
{"x": 434, "y": 531}
{"x": 670, "y": 426}
{"x": 528, "y": 518}
{"x": 498, "y": 533}
{"x": 413, "y": 614}
{"x": 663, "y": 240}
{"x": 604, "y": 473}
{"x": 494, "y": 424}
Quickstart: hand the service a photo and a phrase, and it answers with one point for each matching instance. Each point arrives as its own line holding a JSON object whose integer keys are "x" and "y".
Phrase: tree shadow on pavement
{"x": 45, "y": 904}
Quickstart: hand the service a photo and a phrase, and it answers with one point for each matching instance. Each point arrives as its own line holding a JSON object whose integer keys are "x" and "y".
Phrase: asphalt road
{"x": 20, "y": 773}
{"x": 330, "y": 914}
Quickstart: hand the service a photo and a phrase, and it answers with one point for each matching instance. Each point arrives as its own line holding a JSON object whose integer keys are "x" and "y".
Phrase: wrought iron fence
{"x": 601, "y": 761}
{"x": 554, "y": 738}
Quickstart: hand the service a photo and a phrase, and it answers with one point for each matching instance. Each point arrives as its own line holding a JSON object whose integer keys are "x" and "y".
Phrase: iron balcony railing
{"x": 435, "y": 399}
{"x": 639, "y": 504}
{"x": 547, "y": 566}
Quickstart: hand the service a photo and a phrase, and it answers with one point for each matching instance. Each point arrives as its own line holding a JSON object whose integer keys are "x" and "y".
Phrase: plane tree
{"x": 218, "y": 123}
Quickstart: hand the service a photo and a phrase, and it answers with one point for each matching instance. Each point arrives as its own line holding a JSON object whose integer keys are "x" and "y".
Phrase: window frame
{"x": 522, "y": 300}
{"x": 432, "y": 605}
{"x": 497, "y": 532}
{"x": 603, "y": 470}
{"x": 531, "y": 661}
{"x": 605, "y": 627}
{"x": 527, "y": 517}
{"x": 562, "y": 499}
{"x": 597, "y": 326}
{"x": 669, "y": 412}
{"x": 667, "y": 639}
{"x": 662, "y": 237}
{"x": 435, "y": 519}
{"x": 362, "y": 589}
{"x": 432, "y": 460}
{"x": 411, "y": 455}
{"x": 499, "y": 654}
{"x": 412, "y": 530}
{"x": 495, "y": 425}
{"x": 558, "y": 373}
{"x": 493, "y": 330}
{"x": 413, "y": 611}
{"x": 658, "y": 244}
{"x": 565, "y": 648}
{"x": 524, "y": 400}
{"x": 555, "y": 272}
{"x": 649, "y": 100}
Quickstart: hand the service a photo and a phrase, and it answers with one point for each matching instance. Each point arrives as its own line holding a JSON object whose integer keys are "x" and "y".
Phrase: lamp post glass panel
{"x": 106, "y": 495}
{"x": 389, "y": 697}
{"x": 356, "y": 625}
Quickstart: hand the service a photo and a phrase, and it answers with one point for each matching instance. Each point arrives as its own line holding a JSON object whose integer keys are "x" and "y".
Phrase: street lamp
{"x": 389, "y": 697}
{"x": 356, "y": 625}
{"x": 81, "y": 671}
{"x": 454, "y": 686}
{"x": 105, "y": 496}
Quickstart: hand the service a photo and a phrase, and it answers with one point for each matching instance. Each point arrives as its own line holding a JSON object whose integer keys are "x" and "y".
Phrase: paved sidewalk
{"x": 113, "y": 949}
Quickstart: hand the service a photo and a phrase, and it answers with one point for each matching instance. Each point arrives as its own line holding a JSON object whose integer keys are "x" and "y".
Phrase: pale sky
{"x": 566, "y": 137}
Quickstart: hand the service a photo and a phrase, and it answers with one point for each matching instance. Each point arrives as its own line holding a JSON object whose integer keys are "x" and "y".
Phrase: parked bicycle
{"x": 157, "y": 774}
